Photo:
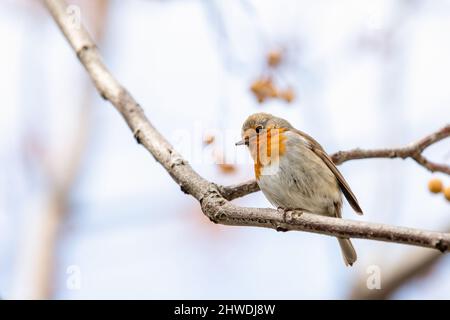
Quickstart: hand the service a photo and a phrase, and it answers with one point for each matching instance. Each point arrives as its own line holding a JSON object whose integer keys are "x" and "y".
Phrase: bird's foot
{"x": 287, "y": 215}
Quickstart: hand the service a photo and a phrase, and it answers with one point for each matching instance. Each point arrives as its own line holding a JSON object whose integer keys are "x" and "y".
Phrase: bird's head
{"x": 259, "y": 124}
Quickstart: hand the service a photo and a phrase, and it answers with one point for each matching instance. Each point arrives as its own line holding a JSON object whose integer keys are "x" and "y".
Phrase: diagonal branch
{"x": 214, "y": 205}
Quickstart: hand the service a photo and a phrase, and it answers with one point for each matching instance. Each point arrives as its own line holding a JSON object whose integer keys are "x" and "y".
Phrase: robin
{"x": 294, "y": 171}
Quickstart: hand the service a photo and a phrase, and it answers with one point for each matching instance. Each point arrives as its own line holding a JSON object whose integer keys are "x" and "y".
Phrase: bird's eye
{"x": 258, "y": 129}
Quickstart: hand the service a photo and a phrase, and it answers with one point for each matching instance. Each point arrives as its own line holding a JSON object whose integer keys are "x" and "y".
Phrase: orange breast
{"x": 270, "y": 146}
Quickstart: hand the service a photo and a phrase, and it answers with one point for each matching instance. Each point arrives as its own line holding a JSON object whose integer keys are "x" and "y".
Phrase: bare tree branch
{"x": 413, "y": 151}
{"x": 214, "y": 205}
{"x": 238, "y": 190}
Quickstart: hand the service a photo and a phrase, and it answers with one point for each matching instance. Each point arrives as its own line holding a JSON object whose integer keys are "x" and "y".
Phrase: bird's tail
{"x": 348, "y": 251}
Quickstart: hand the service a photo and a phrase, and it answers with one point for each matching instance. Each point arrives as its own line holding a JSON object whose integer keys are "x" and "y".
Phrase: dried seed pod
{"x": 263, "y": 88}
{"x": 274, "y": 58}
{"x": 288, "y": 95}
{"x": 219, "y": 158}
{"x": 227, "y": 168}
{"x": 208, "y": 139}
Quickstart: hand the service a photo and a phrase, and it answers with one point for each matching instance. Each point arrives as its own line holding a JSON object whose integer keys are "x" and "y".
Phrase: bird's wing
{"x": 320, "y": 152}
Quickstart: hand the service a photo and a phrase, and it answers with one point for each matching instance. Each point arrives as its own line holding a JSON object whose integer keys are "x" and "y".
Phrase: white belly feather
{"x": 301, "y": 181}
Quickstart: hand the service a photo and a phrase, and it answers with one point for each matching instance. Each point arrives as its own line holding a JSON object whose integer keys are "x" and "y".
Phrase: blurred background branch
{"x": 62, "y": 180}
{"x": 411, "y": 266}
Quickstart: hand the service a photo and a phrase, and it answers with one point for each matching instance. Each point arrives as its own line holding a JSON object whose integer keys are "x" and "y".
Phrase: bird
{"x": 295, "y": 173}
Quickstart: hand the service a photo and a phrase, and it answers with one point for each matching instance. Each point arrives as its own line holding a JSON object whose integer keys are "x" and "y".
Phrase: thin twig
{"x": 413, "y": 151}
{"x": 213, "y": 203}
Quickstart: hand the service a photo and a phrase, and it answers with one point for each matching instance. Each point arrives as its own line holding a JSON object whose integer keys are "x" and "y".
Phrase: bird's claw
{"x": 287, "y": 213}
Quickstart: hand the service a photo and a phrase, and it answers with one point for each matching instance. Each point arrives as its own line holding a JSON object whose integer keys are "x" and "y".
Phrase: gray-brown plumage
{"x": 294, "y": 172}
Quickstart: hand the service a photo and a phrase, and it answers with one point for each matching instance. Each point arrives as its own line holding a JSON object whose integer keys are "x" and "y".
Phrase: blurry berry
{"x": 447, "y": 193}
{"x": 435, "y": 185}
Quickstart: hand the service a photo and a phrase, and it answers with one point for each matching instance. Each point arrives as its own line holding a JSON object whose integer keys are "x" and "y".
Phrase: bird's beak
{"x": 244, "y": 141}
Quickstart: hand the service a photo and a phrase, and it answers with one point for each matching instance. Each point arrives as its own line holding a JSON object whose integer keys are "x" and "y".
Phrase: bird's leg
{"x": 287, "y": 216}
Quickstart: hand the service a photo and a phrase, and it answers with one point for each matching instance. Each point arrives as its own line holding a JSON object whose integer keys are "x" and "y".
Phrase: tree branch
{"x": 414, "y": 151}
{"x": 238, "y": 190}
{"x": 214, "y": 205}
